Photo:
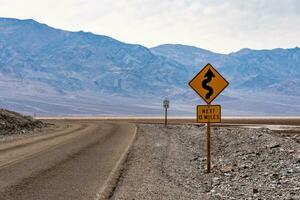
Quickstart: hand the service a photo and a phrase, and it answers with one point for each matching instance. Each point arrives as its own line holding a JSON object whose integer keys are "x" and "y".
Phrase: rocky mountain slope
{"x": 51, "y": 71}
{"x": 12, "y": 123}
{"x": 79, "y": 61}
{"x": 274, "y": 70}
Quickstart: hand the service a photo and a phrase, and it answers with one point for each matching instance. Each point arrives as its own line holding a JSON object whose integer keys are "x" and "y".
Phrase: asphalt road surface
{"x": 71, "y": 161}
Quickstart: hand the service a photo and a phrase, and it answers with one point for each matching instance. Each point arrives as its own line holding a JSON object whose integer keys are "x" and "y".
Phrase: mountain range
{"x": 49, "y": 71}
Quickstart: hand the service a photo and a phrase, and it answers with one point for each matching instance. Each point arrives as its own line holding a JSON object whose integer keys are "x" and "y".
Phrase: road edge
{"x": 112, "y": 180}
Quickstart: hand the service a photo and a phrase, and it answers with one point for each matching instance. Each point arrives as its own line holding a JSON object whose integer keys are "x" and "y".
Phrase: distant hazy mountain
{"x": 52, "y": 71}
{"x": 186, "y": 55}
{"x": 79, "y": 61}
{"x": 276, "y": 70}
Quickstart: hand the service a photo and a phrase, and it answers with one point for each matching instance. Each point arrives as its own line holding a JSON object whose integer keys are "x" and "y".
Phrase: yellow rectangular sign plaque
{"x": 208, "y": 113}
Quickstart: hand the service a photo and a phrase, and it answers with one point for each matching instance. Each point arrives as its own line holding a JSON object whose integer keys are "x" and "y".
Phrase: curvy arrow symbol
{"x": 209, "y": 75}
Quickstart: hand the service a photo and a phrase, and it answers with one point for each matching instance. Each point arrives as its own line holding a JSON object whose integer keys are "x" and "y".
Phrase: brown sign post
{"x": 208, "y": 84}
{"x": 208, "y": 147}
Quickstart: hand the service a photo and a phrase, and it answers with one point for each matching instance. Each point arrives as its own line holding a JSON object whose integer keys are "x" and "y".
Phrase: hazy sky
{"x": 221, "y": 26}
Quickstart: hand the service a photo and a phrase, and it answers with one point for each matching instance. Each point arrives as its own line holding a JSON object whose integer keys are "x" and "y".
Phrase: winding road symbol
{"x": 208, "y": 83}
{"x": 209, "y": 75}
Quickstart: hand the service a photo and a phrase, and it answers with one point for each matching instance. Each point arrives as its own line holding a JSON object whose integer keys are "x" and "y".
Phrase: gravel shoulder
{"x": 170, "y": 163}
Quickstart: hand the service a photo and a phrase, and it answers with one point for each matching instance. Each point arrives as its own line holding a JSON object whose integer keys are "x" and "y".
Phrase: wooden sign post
{"x": 208, "y": 84}
{"x": 208, "y": 139}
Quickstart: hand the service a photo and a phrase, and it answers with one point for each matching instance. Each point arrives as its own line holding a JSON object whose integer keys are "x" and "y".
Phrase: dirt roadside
{"x": 170, "y": 163}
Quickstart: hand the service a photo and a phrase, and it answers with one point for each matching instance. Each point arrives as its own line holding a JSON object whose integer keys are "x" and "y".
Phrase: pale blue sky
{"x": 221, "y": 26}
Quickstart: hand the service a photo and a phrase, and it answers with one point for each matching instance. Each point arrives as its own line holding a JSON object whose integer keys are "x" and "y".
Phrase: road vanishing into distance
{"x": 72, "y": 159}
{"x": 79, "y": 158}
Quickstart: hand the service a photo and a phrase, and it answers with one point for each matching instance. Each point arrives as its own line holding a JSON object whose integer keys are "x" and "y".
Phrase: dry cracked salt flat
{"x": 170, "y": 163}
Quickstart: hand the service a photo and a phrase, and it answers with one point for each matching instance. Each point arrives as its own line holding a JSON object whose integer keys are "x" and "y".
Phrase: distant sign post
{"x": 208, "y": 84}
{"x": 166, "y": 105}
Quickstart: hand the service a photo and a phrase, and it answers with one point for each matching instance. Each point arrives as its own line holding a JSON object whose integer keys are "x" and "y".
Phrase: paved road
{"x": 72, "y": 161}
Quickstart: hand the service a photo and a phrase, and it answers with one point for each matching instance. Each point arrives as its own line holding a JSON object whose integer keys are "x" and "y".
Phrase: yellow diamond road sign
{"x": 208, "y": 83}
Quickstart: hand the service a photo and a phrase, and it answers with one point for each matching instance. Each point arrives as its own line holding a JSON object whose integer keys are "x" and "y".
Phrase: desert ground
{"x": 140, "y": 158}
